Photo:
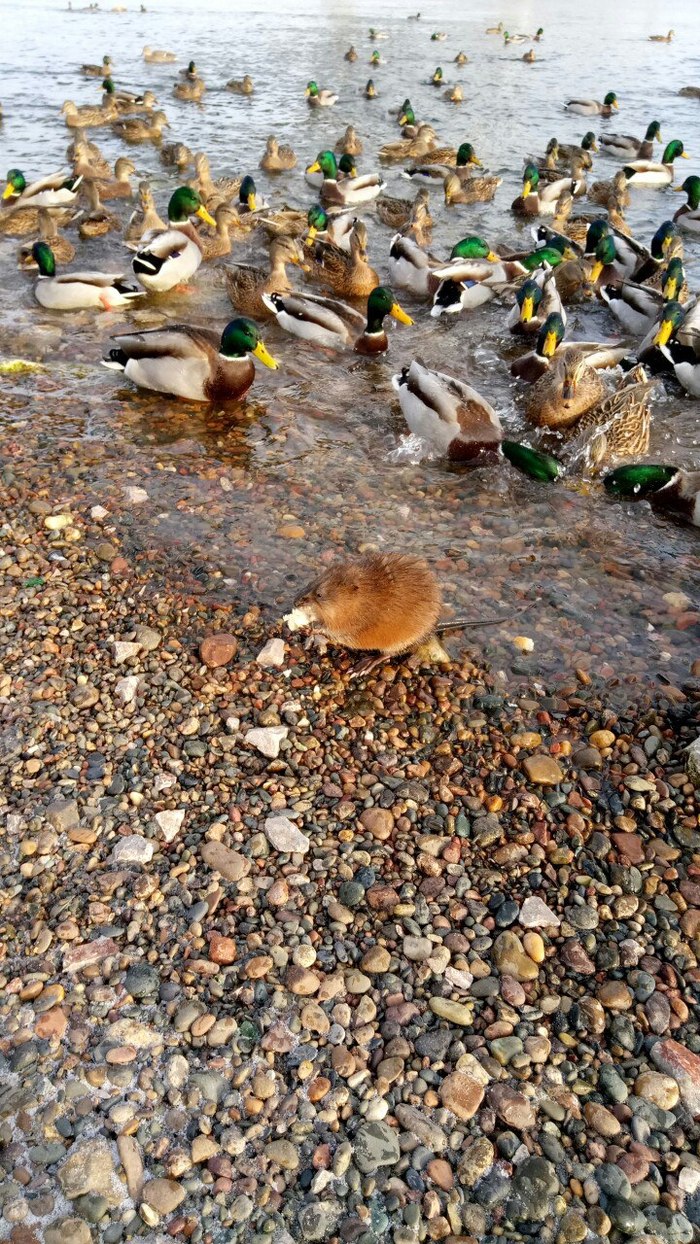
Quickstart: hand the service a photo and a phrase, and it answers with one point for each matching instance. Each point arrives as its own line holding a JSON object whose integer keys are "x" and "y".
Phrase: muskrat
{"x": 386, "y": 602}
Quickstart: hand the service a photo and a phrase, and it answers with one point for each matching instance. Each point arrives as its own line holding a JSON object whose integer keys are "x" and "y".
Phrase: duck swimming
{"x": 592, "y": 107}
{"x": 172, "y": 256}
{"x": 334, "y": 325}
{"x": 78, "y": 291}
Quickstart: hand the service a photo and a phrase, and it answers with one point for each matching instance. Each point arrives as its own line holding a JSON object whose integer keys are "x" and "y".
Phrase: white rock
{"x": 677, "y": 600}
{"x": 133, "y": 850}
{"x": 98, "y": 512}
{"x": 56, "y": 522}
{"x": 135, "y": 495}
{"x": 535, "y": 914}
{"x": 523, "y": 643}
{"x": 127, "y": 687}
{"x": 163, "y": 781}
{"x": 177, "y": 1071}
{"x": 267, "y": 739}
{"x": 286, "y": 836}
{"x": 462, "y": 981}
{"x": 170, "y": 822}
{"x": 692, "y": 762}
{"x": 272, "y": 653}
{"x": 689, "y": 1180}
{"x": 297, "y": 618}
{"x": 125, "y": 651}
{"x": 233, "y": 724}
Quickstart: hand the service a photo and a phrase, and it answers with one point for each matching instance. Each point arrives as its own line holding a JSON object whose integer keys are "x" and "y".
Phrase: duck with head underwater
{"x": 334, "y": 325}
{"x": 669, "y": 489}
{"x": 78, "y": 291}
{"x": 171, "y": 256}
{"x": 192, "y": 363}
{"x": 457, "y": 422}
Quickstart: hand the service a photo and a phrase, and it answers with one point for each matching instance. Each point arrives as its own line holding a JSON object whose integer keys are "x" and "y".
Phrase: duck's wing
{"x": 328, "y": 313}
{"x": 178, "y": 341}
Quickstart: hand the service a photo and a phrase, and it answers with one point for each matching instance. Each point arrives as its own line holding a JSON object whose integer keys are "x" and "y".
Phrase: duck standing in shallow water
{"x": 172, "y": 256}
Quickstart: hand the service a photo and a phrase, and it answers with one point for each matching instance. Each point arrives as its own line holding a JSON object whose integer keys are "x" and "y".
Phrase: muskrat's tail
{"x": 460, "y": 624}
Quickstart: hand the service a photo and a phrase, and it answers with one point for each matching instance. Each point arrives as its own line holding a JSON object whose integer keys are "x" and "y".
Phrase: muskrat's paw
{"x": 368, "y": 666}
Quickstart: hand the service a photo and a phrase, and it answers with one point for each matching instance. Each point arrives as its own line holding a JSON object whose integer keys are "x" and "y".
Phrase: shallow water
{"x": 316, "y": 443}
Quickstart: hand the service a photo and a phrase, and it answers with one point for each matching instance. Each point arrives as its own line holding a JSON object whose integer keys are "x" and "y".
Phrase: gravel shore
{"x": 293, "y": 958}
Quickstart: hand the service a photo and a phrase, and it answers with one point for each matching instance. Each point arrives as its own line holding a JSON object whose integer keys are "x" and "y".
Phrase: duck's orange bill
{"x": 262, "y": 353}
{"x": 399, "y": 314}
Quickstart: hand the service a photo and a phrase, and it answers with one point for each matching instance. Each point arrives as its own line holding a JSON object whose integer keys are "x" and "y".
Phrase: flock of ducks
{"x": 576, "y": 255}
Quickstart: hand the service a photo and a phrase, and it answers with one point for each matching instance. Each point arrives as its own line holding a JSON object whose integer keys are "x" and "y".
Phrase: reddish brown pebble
{"x": 218, "y": 649}
{"x": 222, "y": 949}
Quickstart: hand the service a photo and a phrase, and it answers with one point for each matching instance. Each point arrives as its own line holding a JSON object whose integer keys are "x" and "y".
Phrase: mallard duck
{"x": 141, "y": 129}
{"x": 220, "y": 244}
{"x": 536, "y": 299}
{"x": 454, "y": 95}
{"x": 375, "y": 59}
{"x": 349, "y": 192}
{"x": 350, "y": 144}
{"x": 98, "y": 71}
{"x": 129, "y": 102}
{"x": 666, "y": 244}
{"x": 347, "y": 273}
{"x": 157, "y": 56}
{"x": 626, "y": 147}
{"x": 191, "y": 362}
{"x": 628, "y": 254}
{"x": 95, "y": 221}
{"x": 176, "y": 155}
{"x": 690, "y": 92}
{"x": 249, "y": 200}
{"x": 536, "y": 362}
{"x": 78, "y": 291}
{"x": 592, "y": 108}
{"x": 437, "y": 78}
{"x": 86, "y": 158}
{"x": 62, "y": 248}
{"x": 346, "y": 168}
{"x": 246, "y": 284}
{"x": 242, "y": 86}
{"x": 416, "y": 147}
{"x": 370, "y": 91}
{"x": 277, "y": 159}
{"x": 336, "y": 229}
{"x": 669, "y": 489}
{"x": 564, "y": 392}
{"x": 55, "y": 191}
{"x": 681, "y": 347}
{"x": 687, "y": 217}
{"x": 327, "y": 322}
{"x": 444, "y": 162}
{"x": 662, "y": 38}
{"x": 145, "y": 219}
{"x": 537, "y": 199}
{"x": 495, "y": 30}
{"x": 438, "y": 36}
{"x": 190, "y": 73}
{"x": 461, "y": 59}
{"x": 411, "y": 267}
{"x": 575, "y": 228}
{"x": 529, "y": 57}
{"x": 172, "y": 256}
{"x": 538, "y": 35}
{"x": 637, "y": 307}
{"x": 579, "y": 151}
{"x": 459, "y": 423}
{"x": 350, "y": 55}
{"x": 375, "y": 34}
{"x": 316, "y": 98}
{"x": 605, "y": 192}
{"x": 647, "y": 173}
{"x": 190, "y": 92}
{"x": 471, "y": 190}
{"x": 119, "y": 186}
{"x": 618, "y": 426}
{"x": 398, "y": 213}
{"x": 473, "y": 276}
{"x": 89, "y": 115}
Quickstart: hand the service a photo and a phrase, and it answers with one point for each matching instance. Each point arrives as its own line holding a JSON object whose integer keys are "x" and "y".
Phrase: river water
{"x": 315, "y": 447}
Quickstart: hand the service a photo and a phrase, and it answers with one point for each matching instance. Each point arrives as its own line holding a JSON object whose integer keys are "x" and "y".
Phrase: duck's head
{"x": 347, "y": 165}
{"x": 604, "y": 255}
{"x": 552, "y": 148}
{"x": 473, "y": 248}
{"x": 107, "y": 63}
{"x": 467, "y": 155}
{"x": 437, "y": 76}
{"x": 528, "y": 298}
{"x": 381, "y": 303}
{"x": 611, "y": 100}
{"x": 317, "y": 221}
{"x": 44, "y": 259}
{"x": 370, "y": 90}
{"x": 108, "y": 86}
{"x": 538, "y": 466}
{"x": 539, "y": 31}
{"x": 638, "y": 480}
{"x": 588, "y": 142}
{"x": 407, "y": 115}
{"x": 666, "y": 235}
{"x": 374, "y": 58}
{"x": 573, "y": 370}
{"x": 531, "y": 180}
{"x": 550, "y": 335}
{"x": 325, "y": 163}
{"x": 247, "y": 192}
{"x": 242, "y": 337}
{"x": 596, "y": 230}
{"x": 311, "y": 89}
{"x": 192, "y": 69}
{"x": 672, "y": 317}
{"x": 16, "y": 183}
{"x": 674, "y": 279}
{"x": 653, "y": 133}
{"x": 185, "y": 202}
{"x": 673, "y": 151}
{"x": 691, "y": 187}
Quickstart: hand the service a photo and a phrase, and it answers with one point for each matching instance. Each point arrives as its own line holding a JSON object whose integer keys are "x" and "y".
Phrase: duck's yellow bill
{"x": 594, "y": 147}
{"x": 493, "y": 257}
{"x": 314, "y": 168}
{"x": 403, "y": 119}
{"x": 309, "y": 239}
{"x": 685, "y": 155}
{"x": 551, "y": 342}
{"x": 595, "y": 272}
{"x": 527, "y": 187}
{"x": 307, "y": 92}
{"x": 475, "y": 160}
{"x": 527, "y": 309}
{"x": 663, "y": 335}
{"x": 678, "y": 189}
{"x": 616, "y": 104}
{"x": 352, "y": 172}
{"x": 205, "y": 216}
{"x": 671, "y": 289}
{"x": 251, "y": 202}
{"x": 262, "y": 353}
{"x": 399, "y": 314}
{"x": 8, "y": 191}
